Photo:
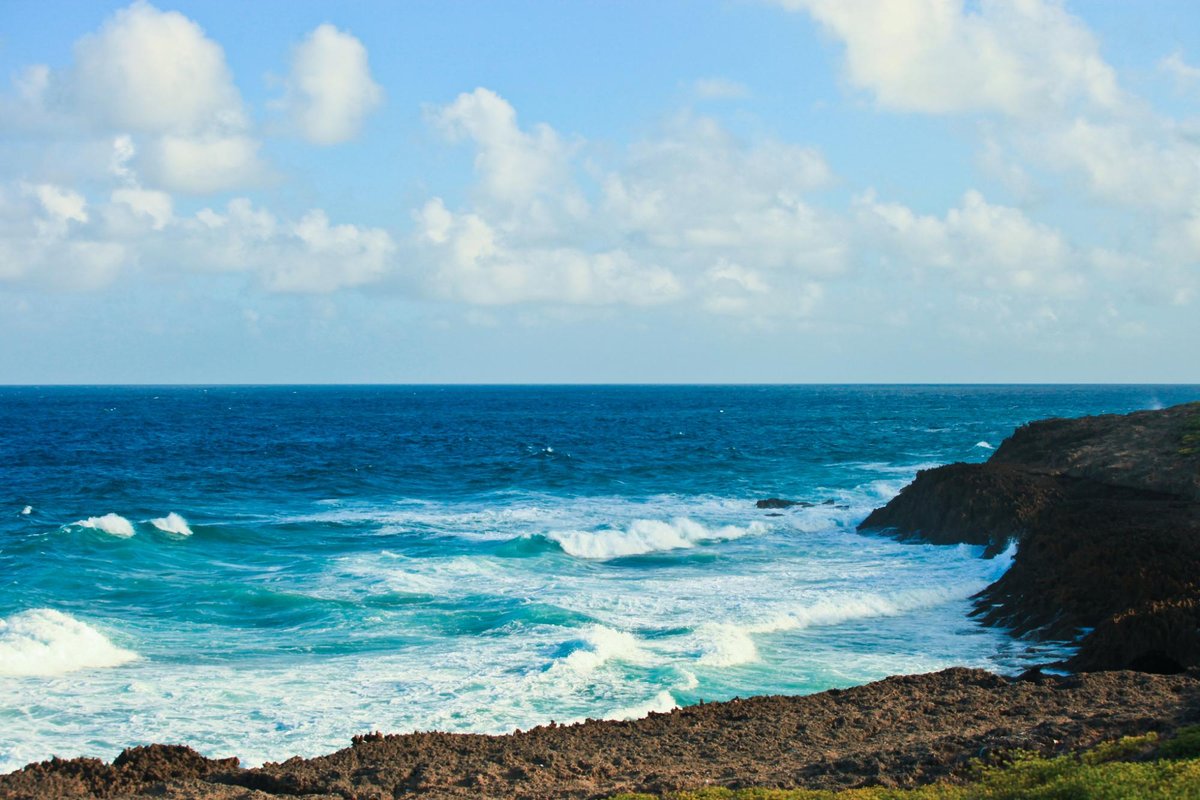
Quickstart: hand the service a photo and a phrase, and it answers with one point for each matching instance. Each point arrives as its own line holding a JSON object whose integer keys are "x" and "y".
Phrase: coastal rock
{"x": 968, "y": 503}
{"x": 901, "y": 731}
{"x": 1106, "y": 511}
{"x": 1154, "y": 450}
{"x": 131, "y": 772}
{"x": 779, "y": 502}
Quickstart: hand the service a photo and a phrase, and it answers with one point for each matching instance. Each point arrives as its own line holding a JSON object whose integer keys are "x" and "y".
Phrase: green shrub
{"x": 1105, "y": 772}
{"x": 1184, "y": 744}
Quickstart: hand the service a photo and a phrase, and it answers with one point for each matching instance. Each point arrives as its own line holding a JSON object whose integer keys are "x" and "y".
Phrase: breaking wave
{"x": 647, "y": 536}
{"x": 172, "y": 523}
{"x": 112, "y": 524}
{"x": 43, "y": 641}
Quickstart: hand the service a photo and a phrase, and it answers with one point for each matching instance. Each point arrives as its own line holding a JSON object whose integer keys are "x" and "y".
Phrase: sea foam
{"x": 601, "y": 644}
{"x": 112, "y": 524}
{"x": 172, "y": 523}
{"x": 647, "y": 536}
{"x": 43, "y": 641}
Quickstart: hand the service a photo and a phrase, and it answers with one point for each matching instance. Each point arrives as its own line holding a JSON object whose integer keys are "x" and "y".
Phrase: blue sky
{"x": 789, "y": 191}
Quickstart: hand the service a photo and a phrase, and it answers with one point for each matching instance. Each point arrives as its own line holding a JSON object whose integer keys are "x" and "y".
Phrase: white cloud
{"x": 53, "y": 237}
{"x": 202, "y": 164}
{"x": 979, "y": 245}
{"x": 48, "y": 239}
{"x": 702, "y": 196}
{"x": 307, "y": 256}
{"x": 1175, "y": 66}
{"x": 154, "y": 205}
{"x": 156, "y": 82}
{"x": 720, "y": 89}
{"x": 519, "y": 170}
{"x": 149, "y": 71}
{"x": 1141, "y": 161}
{"x": 676, "y": 218}
{"x": 1014, "y": 57}
{"x": 330, "y": 90}
{"x": 62, "y": 205}
{"x": 475, "y": 264}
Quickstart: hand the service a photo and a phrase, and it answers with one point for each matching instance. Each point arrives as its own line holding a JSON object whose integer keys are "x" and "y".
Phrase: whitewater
{"x": 267, "y": 571}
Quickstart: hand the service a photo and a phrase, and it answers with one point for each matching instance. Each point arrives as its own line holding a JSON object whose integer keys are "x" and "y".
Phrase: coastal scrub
{"x": 1131, "y": 768}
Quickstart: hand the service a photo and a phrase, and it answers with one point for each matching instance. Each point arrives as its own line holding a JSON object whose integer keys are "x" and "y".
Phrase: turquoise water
{"x": 265, "y": 572}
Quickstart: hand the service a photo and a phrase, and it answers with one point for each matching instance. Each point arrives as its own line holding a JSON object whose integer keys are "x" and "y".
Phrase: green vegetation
{"x": 1190, "y": 443}
{"x": 1132, "y": 768}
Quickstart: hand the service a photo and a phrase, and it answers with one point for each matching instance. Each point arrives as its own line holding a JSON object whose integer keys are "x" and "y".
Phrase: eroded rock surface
{"x": 1106, "y": 511}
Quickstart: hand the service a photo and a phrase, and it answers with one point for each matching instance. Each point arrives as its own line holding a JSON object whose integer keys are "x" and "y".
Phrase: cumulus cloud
{"x": 308, "y": 255}
{"x": 680, "y": 216}
{"x": 978, "y": 245}
{"x": 1140, "y": 162}
{"x": 155, "y": 79}
{"x": 53, "y": 237}
{"x": 475, "y": 263}
{"x": 699, "y": 194}
{"x": 150, "y": 71}
{"x": 937, "y": 56}
{"x": 49, "y": 238}
{"x": 202, "y": 164}
{"x": 330, "y": 90}
{"x": 1046, "y": 104}
{"x": 519, "y": 170}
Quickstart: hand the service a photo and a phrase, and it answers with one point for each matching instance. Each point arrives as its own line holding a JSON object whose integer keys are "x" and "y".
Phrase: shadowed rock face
{"x": 1106, "y": 511}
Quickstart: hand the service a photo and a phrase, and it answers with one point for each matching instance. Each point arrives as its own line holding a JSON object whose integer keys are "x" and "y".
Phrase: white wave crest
{"x": 647, "y": 536}
{"x": 172, "y": 523}
{"x": 43, "y": 641}
{"x": 602, "y": 644}
{"x": 112, "y": 524}
{"x": 726, "y": 645}
{"x": 662, "y": 702}
{"x": 984, "y": 446}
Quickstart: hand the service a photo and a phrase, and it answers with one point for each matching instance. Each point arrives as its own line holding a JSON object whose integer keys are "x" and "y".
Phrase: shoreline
{"x": 903, "y": 731}
{"x": 1109, "y": 502}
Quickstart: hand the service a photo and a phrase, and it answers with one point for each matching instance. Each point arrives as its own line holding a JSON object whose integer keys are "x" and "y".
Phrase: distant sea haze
{"x": 267, "y": 571}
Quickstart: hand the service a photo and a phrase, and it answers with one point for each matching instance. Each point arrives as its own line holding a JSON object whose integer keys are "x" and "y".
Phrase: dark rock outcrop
{"x": 902, "y": 731}
{"x": 1106, "y": 511}
{"x": 779, "y": 502}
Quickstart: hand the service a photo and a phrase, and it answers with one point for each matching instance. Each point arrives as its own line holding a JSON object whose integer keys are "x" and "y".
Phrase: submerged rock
{"x": 779, "y": 502}
{"x": 1106, "y": 513}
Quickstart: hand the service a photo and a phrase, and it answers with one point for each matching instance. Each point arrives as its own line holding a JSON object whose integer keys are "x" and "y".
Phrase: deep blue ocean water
{"x": 266, "y": 571}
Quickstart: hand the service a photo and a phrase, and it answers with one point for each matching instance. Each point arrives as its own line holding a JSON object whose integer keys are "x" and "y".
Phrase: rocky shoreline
{"x": 902, "y": 731}
{"x": 1106, "y": 514}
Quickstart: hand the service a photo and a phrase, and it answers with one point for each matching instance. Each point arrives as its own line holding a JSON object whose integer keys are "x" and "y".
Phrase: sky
{"x": 764, "y": 191}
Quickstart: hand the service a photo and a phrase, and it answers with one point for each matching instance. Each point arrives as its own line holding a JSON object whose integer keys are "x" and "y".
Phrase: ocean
{"x": 267, "y": 571}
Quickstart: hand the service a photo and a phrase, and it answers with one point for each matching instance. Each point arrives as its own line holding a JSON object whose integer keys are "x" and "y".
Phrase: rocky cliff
{"x": 1106, "y": 513}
